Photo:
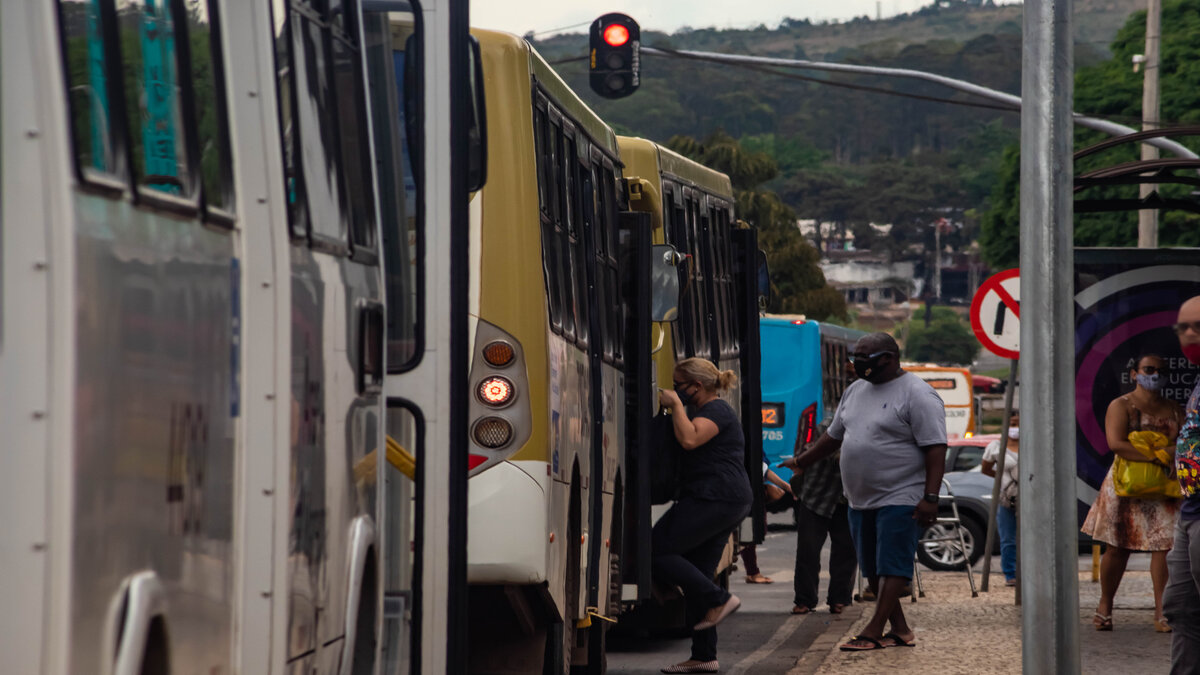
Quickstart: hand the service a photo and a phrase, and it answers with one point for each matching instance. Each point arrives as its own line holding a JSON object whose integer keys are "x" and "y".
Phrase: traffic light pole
{"x": 1048, "y": 527}
{"x": 1101, "y": 125}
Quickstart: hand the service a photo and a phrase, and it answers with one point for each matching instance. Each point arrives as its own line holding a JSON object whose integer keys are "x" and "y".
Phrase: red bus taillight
{"x": 808, "y": 427}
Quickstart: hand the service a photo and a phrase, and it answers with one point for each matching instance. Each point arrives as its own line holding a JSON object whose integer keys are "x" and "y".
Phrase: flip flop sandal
{"x": 897, "y": 641}
{"x": 850, "y": 647}
{"x": 798, "y": 609}
{"x": 759, "y": 579}
{"x": 1105, "y": 622}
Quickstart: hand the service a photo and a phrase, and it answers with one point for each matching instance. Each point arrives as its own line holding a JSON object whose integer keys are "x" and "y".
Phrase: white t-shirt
{"x": 882, "y": 428}
{"x": 992, "y": 454}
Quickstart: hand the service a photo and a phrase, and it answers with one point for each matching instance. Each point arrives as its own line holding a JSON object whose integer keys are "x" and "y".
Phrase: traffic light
{"x": 614, "y": 61}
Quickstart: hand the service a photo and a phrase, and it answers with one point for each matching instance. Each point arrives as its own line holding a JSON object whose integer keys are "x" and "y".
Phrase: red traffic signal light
{"x": 614, "y": 62}
{"x": 616, "y": 35}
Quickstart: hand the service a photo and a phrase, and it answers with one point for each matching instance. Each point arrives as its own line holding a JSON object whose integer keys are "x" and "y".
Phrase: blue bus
{"x": 805, "y": 369}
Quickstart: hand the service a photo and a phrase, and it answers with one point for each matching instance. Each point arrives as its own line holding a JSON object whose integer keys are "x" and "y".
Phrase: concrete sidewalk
{"x": 958, "y": 634}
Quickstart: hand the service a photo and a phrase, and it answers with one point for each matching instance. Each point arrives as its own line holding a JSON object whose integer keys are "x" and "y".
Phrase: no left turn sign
{"x": 996, "y": 314}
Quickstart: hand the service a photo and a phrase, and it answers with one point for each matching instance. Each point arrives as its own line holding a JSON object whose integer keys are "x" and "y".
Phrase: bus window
{"x": 391, "y": 50}
{"x": 608, "y": 210}
{"x": 153, "y": 104}
{"x": 87, "y": 82}
{"x": 579, "y": 265}
{"x": 594, "y": 230}
{"x": 352, "y": 127}
{"x": 563, "y": 231}
{"x": 212, "y": 124}
{"x": 539, "y": 139}
{"x": 547, "y": 190}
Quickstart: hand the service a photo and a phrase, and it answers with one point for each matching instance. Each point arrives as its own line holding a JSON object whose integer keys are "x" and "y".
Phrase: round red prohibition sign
{"x": 996, "y": 314}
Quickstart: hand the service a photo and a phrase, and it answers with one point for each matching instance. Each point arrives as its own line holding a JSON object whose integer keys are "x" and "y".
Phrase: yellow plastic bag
{"x": 1146, "y": 480}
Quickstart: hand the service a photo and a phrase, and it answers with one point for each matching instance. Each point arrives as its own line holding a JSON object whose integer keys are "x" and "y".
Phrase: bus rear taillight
{"x": 496, "y": 392}
{"x": 501, "y": 417}
{"x": 492, "y": 433}
{"x": 808, "y": 427}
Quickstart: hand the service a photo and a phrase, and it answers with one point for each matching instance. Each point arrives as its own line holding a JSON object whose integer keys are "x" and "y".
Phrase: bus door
{"x": 745, "y": 245}
{"x": 429, "y": 146}
{"x": 599, "y": 249}
{"x": 640, "y": 403}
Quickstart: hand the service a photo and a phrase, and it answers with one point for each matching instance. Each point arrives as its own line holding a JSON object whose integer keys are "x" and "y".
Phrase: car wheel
{"x": 939, "y": 548}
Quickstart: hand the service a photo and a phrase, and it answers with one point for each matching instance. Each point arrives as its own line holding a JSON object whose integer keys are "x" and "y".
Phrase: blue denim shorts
{"x": 885, "y": 539}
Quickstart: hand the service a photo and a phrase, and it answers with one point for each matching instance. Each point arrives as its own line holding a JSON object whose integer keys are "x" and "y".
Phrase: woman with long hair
{"x": 1127, "y": 524}
{"x": 715, "y": 496}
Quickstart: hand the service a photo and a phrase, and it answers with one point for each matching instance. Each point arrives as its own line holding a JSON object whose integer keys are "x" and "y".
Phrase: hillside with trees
{"x": 851, "y": 151}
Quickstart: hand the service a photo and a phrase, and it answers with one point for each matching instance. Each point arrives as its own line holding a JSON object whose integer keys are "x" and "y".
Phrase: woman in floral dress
{"x": 1124, "y": 523}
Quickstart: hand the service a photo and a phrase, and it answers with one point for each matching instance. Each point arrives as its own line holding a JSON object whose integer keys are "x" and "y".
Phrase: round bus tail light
{"x": 492, "y": 433}
{"x": 499, "y": 354}
{"x": 496, "y": 391}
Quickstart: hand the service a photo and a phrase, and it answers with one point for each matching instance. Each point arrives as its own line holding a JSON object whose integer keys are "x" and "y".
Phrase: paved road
{"x": 761, "y": 638}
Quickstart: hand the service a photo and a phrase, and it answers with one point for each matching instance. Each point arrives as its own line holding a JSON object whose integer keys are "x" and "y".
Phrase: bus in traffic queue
{"x": 954, "y": 386}
{"x": 805, "y": 371}
{"x": 194, "y": 323}
{"x": 550, "y": 369}
{"x": 690, "y": 207}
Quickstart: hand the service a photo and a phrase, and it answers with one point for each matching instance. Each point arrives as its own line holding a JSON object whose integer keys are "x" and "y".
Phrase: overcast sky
{"x": 521, "y": 16}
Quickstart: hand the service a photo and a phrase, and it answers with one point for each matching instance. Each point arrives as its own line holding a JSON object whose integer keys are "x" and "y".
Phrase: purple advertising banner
{"x": 1126, "y": 301}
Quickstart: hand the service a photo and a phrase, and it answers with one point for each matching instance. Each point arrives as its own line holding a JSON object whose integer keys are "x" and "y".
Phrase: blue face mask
{"x": 1150, "y": 382}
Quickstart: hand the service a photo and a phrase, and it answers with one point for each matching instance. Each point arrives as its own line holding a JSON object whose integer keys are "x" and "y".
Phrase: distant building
{"x": 870, "y": 280}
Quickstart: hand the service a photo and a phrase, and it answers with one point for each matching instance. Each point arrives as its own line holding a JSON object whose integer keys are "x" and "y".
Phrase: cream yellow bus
{"x": 691, "y": 209}
{"x": 548, "y": 369}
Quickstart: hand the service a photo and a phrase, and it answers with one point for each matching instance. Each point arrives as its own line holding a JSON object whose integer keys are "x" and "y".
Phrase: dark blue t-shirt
{"x": 716, "y": 471}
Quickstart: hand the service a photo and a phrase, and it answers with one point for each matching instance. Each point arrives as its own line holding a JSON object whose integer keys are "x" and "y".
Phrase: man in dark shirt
{"x": 1181, "y": 600}
{"x": 821, "y": 512}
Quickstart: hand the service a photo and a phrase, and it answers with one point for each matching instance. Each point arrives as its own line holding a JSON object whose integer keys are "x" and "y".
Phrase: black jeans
{"x": 687, "y": 543}
{"x": 811, "y": 530}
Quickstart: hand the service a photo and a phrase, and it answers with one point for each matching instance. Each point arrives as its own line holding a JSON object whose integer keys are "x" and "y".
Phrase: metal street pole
{"x": 1148, "y": 218}
{"x": 1050, "y": 619}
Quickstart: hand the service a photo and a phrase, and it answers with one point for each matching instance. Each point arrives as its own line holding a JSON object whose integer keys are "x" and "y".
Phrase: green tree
{"x": 1110, "y": 88}
{"x": 947, "y": 340}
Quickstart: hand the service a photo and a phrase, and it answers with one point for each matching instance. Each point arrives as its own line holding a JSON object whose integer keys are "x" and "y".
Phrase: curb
{"x": 831, "y": 637}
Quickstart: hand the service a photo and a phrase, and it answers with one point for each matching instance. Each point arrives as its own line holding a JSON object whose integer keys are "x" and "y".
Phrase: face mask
{"x": 1149, "y": 382}
{"x": 1192, "y": 353}
{"x": 868, "y": 368}
{"x": 681, "y": 390}
{"x": 1014, "y": 433}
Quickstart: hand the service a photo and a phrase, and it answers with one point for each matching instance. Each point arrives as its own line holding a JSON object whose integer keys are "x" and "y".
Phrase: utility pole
{"x": 1048, "y": 525}
{"x": 1148, "y": 218}
{"x": 937, "y": 259}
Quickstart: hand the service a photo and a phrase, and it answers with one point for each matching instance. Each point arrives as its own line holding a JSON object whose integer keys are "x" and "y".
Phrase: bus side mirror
{"x": 664, "y": 283}
{"x": 764, "y": 282}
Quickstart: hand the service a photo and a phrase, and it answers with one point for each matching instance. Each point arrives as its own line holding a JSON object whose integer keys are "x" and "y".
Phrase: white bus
{"x": 953, "y": 385}
{"x": 193, "y": 320}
